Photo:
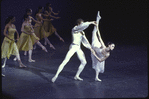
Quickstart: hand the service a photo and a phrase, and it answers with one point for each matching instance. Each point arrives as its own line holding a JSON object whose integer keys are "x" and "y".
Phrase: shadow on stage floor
{"x": 125, "y": 76}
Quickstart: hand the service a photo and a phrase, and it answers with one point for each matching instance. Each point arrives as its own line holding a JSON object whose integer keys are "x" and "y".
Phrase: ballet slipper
{"x": 15, "y": 59}
{"x": 97, "y": 79}
{"x": 44, "y": 48}
{"x": 21, "y": 65}
{"x": 3, "y": 65}
{"x": 51, "y": 46}
{"x": 3, "y": 75}
{"x": 62, "y": 40}
{"x": 78, "y": 78}
{"x": 30, "y": 60}
{"x": 54, "y": 79}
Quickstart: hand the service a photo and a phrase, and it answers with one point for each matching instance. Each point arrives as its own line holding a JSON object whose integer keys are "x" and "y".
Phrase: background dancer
{"x": 9, "y": 46}
{"x": 29, "y": 13}
{"x": 39, "y": 30}
{"x": 78, "y": 37}
{"x": 48, "y": 27}
{"x": 28, "y": 38}
{"x": 101, "y": 50}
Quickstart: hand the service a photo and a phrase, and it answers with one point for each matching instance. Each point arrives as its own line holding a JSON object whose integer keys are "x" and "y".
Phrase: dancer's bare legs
{"x": 59, "y": 36}
{"x": 97, "y": 74}
{"x": 30, "y": 56}
{"x": 25, "y": 53}
{"x": 30, "y": 51}
{"x": 43, "y": 48}
{"x": 47, "y": 41}
{"x": 19, "y": 60}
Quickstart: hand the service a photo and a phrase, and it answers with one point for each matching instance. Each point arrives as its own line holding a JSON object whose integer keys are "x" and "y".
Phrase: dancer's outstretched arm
{"x": 35, "y": 20}
{"x": 41, "y": 18}
{"x": 82, "y": 26}
{"x": 54, "y": 12}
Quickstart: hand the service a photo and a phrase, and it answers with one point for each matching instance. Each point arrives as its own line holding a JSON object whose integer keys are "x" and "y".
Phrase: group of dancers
{"x": 43, "y": 28}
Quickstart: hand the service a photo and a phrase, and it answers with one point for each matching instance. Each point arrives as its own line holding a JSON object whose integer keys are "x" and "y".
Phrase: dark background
{"x": 123, "y": 22}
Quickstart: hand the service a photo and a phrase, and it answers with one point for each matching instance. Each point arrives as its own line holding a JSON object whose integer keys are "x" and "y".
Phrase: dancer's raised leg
{"x": 43, "y": 48}
{"x": 46, "y": 40}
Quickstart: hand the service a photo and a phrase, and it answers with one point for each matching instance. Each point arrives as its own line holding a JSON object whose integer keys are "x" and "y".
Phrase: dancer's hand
{"x": 93, "y": 52}
{"x": 58, "y": 17}
{"x": 94, "y": 23}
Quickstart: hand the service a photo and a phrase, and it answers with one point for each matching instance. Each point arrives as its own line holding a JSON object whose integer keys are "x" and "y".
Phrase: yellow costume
{"x": 49, "y": 28}
{"x": 39, "y": 31}
{"x": 9, "y": 47}
{"x": 26, "y": 41}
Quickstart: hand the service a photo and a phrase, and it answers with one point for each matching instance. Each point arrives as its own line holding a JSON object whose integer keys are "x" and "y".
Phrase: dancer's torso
{"x": 77, "y": 37}
{"x": 11, "y": 32}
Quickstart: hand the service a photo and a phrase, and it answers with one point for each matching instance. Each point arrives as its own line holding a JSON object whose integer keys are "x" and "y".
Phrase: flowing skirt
{"x": 8, "y": 48}
{"x": 49, "y": 28}
{"x": 26, "y": 42}
{"x": 39, "y": 31}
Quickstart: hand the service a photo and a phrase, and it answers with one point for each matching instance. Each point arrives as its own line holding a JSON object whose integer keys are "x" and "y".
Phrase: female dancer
{"x": 29, "y": 13}
{"x": 48, "y": 27}
{"x": 101, "y": 50}
{"x": 28, "y": 38}
{"x": 39, "y": 30}
{"x": 9, "y": 46}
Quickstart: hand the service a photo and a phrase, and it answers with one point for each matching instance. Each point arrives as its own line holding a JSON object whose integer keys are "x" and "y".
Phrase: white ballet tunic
{"x": 95, "y": 63}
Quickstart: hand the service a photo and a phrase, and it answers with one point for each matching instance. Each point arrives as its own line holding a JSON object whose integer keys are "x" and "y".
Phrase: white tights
{"x": 81, "y": 56}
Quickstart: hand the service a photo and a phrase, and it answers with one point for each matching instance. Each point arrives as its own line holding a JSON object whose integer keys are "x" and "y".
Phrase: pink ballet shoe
{"x": 51, "y": 46}
{"x": 21, "y": 65}
{"x": 44, "y": 48}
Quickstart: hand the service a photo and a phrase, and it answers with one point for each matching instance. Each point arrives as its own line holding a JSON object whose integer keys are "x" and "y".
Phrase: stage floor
{"x": 125, "y": 76}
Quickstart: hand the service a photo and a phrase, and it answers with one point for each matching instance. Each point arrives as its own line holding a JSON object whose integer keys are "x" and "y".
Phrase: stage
{"x": 125, "y": 76}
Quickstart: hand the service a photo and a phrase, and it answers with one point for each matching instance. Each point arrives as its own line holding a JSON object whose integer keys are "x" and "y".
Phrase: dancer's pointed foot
{"x": 15, "y": 59}
{"x": 62, "y": 39}
{"x": 52, "y": 46}
{"x": 97, "y": 79}
{"x": 54, "y": 79}
{"x": 98, "y": 18}
{"x": 22, "y": 65}
{"x": 3, "y": 65}
{"x": 30, "y": 60}
{"x": 44, "y": 48}
{"x": 78, "y": 78}
{"x": 3, "y": 75}
{"x": 25, "y": 53}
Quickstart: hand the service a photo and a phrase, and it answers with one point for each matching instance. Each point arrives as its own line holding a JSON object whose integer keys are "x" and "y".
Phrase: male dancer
{"x": 78, "y": 37}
